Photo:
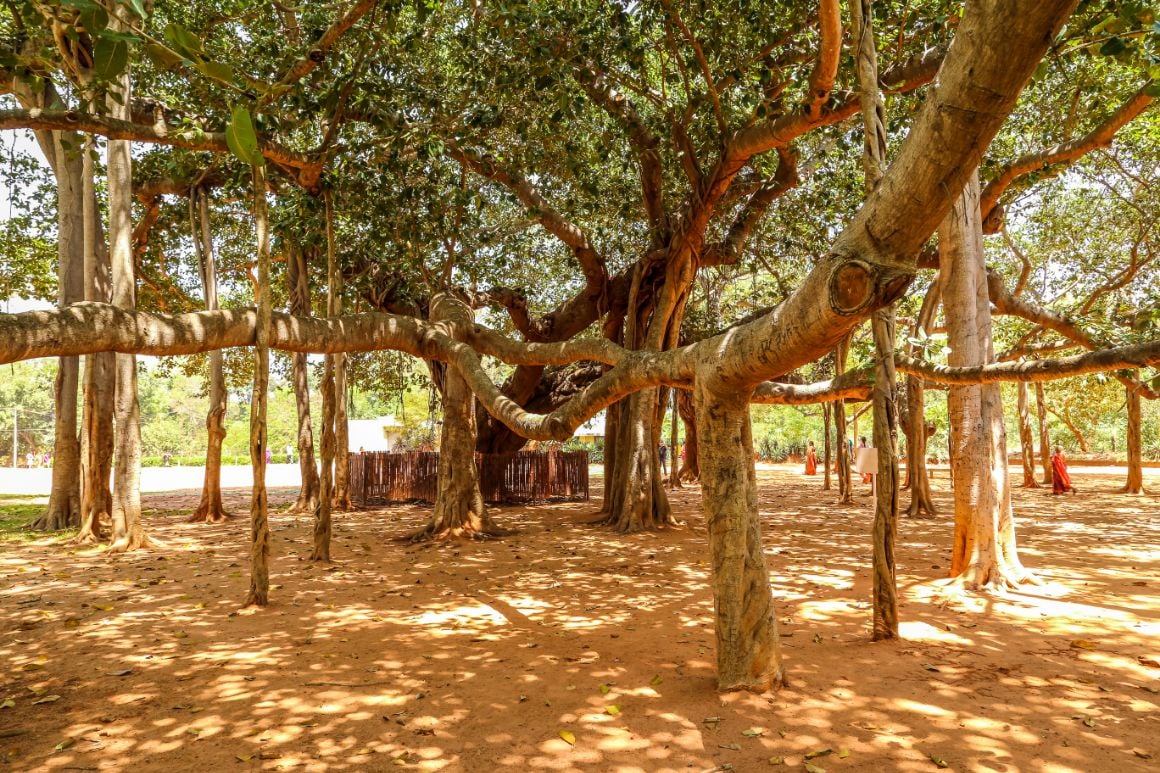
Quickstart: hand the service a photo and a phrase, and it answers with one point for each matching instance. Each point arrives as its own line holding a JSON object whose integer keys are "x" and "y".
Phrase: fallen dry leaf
{"x": 569, "y": 737}
{"x": 1083, "y": 644}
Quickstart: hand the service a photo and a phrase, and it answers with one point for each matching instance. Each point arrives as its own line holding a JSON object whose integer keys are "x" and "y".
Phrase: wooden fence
{"x": 525, "y": 476}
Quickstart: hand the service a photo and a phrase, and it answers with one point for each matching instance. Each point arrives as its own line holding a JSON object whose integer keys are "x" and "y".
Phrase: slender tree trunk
{"x": 128, "y": 532}
{"x": 885, "y": 529}
{"x": 97, "y": 426}
{"x": 748, "y": 653}
{"x": 611, "y": 428}
{"x": 1044, "y": 437}
{"x": 341, "y": 428}
{"x": 827, "y": 447}
{"x": 1065, "y": 417}
{"x": 325, "y": 504}
{"x": 690, "y": 465}
{"x": 210, "y": 508}
{"x": 259, "y": 594}
{"x": 1026, "y": 438}
{"x": 1135, "y": 481}
{"x": 459, "y": 507}
{"x": 64, "y": 502}
{"x": 845, "y": 493}
{"x": 299, "y": 289}
{"x": 984, "y": 551}
{"x": 921, "y": 500}
{"x": 674, "y": 454}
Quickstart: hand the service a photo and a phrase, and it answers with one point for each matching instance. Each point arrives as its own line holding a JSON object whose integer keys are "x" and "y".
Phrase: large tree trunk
{"x": 97, "y": 426}
{"x": 64, "y": 501}
{"x": 636, "y": 494}
{"x": 128, "y": 533}
{"x": 1044, "y": 437}
{"x": 984, "y": 552}
{"x": 259, "y": 594}
{"x": 748, "y": 653}
{"x": 459, "y": 507}
{"x": 298, "y": 279}
{"x": 210, "y": 508}
{"x": 1135, "y": 481}
{"x": 690, "y": 464}
{"x": 1026, "y": 438}
{"x": 921, "y": 499}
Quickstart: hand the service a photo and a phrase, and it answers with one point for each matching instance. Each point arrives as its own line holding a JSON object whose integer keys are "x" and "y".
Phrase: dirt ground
{"x": 568, "y": 647}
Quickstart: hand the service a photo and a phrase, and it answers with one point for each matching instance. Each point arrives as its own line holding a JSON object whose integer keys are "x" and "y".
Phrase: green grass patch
{"x": 15, "y": 517}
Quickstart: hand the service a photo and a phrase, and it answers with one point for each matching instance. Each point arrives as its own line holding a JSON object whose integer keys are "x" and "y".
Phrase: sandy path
{"x": 475, "y": 656}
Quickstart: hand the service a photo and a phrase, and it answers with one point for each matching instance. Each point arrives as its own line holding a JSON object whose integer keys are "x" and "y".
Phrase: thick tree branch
{"x": 784, "y": 179}
{"x": 306, "y": 63}
{"x": 1065, "y": 152}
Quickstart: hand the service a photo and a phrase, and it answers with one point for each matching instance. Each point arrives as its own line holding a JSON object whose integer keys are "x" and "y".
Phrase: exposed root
{"x": 134, "y": 541}
{"x": 993, "y": 578}
{"x": 207, "y": 514}
{"x": 433, "y": 532}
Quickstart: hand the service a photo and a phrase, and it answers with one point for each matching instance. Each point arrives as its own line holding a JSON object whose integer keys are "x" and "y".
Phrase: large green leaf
{"x": 110, "y": 56}
{"x": 242, "y": 139}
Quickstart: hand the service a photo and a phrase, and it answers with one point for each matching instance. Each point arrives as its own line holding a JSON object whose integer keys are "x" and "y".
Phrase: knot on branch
{"x": 316, "y": 56}
{"x": 856, "y": 285}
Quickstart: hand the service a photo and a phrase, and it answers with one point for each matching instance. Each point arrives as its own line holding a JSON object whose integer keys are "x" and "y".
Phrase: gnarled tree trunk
{"x": 690, "y": 464}
{"x": 748, "y": 650}
{"x": 459, "y": 507}
{"x": 97, "y": 418}
{"x": 64, "y": 501}
{"x": 1026, "y": 438}
{"x": 128, "y": 533}
{"x": 984, "y": 551}
{"x": 210, "y": 508}
{"x": 921, "y": 500}
{"x": 298, "y": 281}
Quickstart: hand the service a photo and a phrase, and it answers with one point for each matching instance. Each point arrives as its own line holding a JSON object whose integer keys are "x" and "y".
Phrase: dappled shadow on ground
{"x": 468, "y": 656}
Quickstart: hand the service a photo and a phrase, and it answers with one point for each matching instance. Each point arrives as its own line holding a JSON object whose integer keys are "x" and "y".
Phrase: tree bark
{"x": 97, "y": 419}
{"x": 1135, "y": 480}
{"x": 1065, "y": 417}
{"x": 674, "y": 454}
{"x": 341, "y": 428}
{"x": 984, "y": 553}
{"x": 1026, "y": 438}
{"x": 1044, "y": 437}
{"x": 323, "y": 509}
{"x": 885, "y": 529}
{"x": 297, "y": 276}
{"x": 921, "y": 499}
{"x": 691, "y": 464}
{"x": 748, "y": 650}
{"x": 827, "y": 448}
{"x": 459, "y": 511}
{"x": 128, "y": 532}
{"x": 64, "y": 501}
{"x": 210, "y": 508}
{"x": 638, "y": 500}
{"x": 259, "y": 594}
{"x": 845, "y": 494}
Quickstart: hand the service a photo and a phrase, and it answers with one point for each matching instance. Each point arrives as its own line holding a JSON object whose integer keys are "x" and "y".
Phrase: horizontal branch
{"x": 309, "y": 171}
{"x": 1065, "y": 152}
{"x": 1119, "y": 358}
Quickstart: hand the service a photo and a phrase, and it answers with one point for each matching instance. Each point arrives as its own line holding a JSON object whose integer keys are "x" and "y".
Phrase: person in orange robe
{"x": 1060, "y": 480}
{"x": 811, "y": 460}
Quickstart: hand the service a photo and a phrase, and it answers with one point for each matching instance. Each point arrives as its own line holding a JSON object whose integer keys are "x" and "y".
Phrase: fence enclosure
{"x": 525, "y": 476}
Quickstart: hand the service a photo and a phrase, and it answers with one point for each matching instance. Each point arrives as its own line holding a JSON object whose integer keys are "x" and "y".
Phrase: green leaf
{"x": 1113, "y": 47}
{"x": 217, "y": 71}
{"x": 183, "y": 41}
{"x": 1153, "y": 89}
{"x": 242, "y": 139}
{"x": 110, "y": 57}
{"x": 163, "y": 58}
{"x": 138, "y": 7}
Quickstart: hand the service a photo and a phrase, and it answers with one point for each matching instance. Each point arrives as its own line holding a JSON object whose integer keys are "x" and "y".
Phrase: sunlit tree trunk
{"x": 1026, "y": 438}
{"x": 297, "y": 278}
{"x": 827, "y": 447}
{"x": 128, "y": 532}
{"x": 259, "y": 594}
{"x": 1044, "y": 437}
{"x": 984, "y": 551}
{"x": 1135, "y": 481}
{"x": 210, "y": 508}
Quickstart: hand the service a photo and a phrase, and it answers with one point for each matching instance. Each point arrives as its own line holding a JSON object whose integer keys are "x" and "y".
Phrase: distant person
{"x": 47, "y": 459}
{"x": 1060, "y": 480}
{"x": 811, "y": 459}
{"x": 269, "y": 456}
{"x": 165, "y": 457}
{"x": 289, "y": 454}
{"x": 29, "y": 460}
{"x": 866, "y": 477}
{"x": 663, "y": 453}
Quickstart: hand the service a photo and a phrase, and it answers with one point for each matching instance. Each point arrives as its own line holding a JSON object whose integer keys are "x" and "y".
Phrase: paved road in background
{"x": 38, "y": 480}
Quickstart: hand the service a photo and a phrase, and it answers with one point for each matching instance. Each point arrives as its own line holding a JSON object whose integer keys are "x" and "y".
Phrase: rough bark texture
{"x": 984, "y": 552}
{"x": 748, "y": 654}
{"x": 674, "y": 454}
{"x": 64, "y": 501}
{"x": 259, "y": 594}
{"x": 128, "y": 533}
{"x": 827, "y": 447}
{"x": 921, "y": 500}
{"x": 1135, "y": 481}
{"x": 297, "y": 278}
{"x": 637, "y": 499}
{"x": 210, "y": 508}
{"x": 341, "y": 428}
{"x": 885, "y": 530}
{"x": 1044, "y": 437}
{"x": 459, "y": 508}
{"x": 845, "y": 494}
{"x": 690, "y": 465}
{"x": 323, "y": 509}
{"x": 1026, "y": 438}
{"x": 97, "y": 420}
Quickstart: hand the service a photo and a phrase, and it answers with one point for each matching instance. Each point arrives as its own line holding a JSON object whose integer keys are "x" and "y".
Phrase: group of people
{"x": 38, "y": 460}
{"x": 1060, "y": 479}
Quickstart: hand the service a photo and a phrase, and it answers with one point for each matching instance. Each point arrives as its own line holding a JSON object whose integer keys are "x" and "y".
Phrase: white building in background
{"x": 381, "y": 434}
{"x": 591, "y": 430}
